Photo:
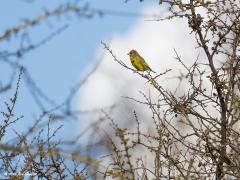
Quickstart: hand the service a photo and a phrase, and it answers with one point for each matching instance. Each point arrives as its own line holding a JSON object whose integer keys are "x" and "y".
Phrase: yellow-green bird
{"x": 138, "y": 62}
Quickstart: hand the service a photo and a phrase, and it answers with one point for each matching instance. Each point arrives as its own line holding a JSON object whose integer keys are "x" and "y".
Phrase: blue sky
{"x": 58, "y": 65}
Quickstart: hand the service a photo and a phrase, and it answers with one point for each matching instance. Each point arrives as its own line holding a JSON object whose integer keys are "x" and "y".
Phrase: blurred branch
{"x": 84, "y": 11}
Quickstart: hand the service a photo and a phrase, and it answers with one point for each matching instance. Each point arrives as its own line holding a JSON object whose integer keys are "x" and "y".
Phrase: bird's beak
{"x": 128, "y": 53}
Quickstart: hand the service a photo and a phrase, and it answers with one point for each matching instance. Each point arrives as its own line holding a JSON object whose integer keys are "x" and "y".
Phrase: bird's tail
{"x": 152, "y": 70}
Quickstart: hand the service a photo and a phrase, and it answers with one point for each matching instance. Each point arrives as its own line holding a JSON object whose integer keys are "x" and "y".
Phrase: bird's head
{"x": 132, "y": 53}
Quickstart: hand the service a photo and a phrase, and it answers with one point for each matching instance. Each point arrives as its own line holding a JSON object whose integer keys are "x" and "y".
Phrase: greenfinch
{"x": 138, "y": 61}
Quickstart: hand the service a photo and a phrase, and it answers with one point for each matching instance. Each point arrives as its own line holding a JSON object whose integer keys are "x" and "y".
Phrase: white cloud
{"x": 155, "y": 41}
